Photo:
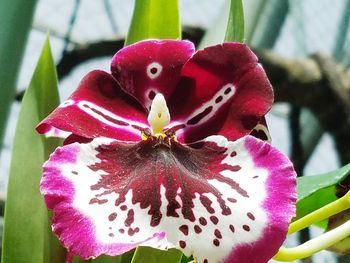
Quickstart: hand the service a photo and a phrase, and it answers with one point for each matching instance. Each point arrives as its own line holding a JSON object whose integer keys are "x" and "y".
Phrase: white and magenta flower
{"x": 159, "y": 154}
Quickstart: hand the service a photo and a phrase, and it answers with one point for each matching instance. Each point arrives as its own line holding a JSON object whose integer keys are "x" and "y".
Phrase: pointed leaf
{"x": 27, "y": 234}
{"x": 235, "y": 25}
{"x": 153, "y": 255}
{"x": 154, "y": 19}
{"x": 101, "y": 259}
{"x": 15, "y": 21}
{"x": 316, "y": 191}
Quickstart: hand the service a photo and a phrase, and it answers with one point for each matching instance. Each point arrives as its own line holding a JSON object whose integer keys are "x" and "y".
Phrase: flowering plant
{"x": 170, "y": 151}
{"x": 122, "y": 181}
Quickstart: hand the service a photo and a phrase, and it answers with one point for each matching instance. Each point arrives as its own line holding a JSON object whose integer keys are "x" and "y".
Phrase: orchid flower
{"x": 160, "y": 154}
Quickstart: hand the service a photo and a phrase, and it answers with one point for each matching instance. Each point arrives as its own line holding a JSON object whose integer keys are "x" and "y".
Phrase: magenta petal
{"x": 151, "y": 66}
{"x": 222, "y": 201}
{"x": 223, "y": 91}
{"x": 98, "y": 108}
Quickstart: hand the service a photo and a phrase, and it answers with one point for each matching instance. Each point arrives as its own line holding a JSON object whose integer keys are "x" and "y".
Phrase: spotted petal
{"x": 223, "y": 91}
{"x": 98, "y": 108}
{"x": 222, "y": 201}
{"x": 151, "y": 66}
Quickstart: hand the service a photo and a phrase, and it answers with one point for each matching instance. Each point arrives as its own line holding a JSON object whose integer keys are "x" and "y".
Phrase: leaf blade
{"x": 155, "y": 255}
{"x": 154, "y": 19}
{"x": 318, "y": 190}
{"x": 235, "y": 24}
{"x": 26, "y": 217}
{"x": 11, "y": 52}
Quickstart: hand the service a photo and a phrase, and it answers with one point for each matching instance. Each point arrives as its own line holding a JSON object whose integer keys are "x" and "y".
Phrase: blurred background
{"x": 304, "y": 45}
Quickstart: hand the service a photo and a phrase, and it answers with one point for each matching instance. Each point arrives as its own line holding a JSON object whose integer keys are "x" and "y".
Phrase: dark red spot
{"x": 74, "y": 172}
{"x": 131, "y": 231}
{"x": 207, "y": 204}
{"x": 200, "y": 116}
{"x": 233, "y": 154}
{"x": 235, "y": 168}
{"x": 227, "y": 91}
{"x": 232, "y": 200}
{"x": 156, "y": 217}
{"x": 232, "y": 228}
{"x": 246, "y": 228}
{"x": 182, "y": 244}
{"x": 97, "y": 201}
{"x": 205, "y": 261}
{"x": 218, "y": 99}
{"x": 214, "y": 219}
{"x": 197, "y": 229}
{"x": 111, "y": 234}
{"x": 121, "y": 230}
{"x": 184, "y": 229}
{"x": 123, "y": 207}
{"x": 251, "y": 216}
{"x": 217, "y": 233}
{"x": 154, "y": 70}
{"x": 202, "y": 221}
{"x": 112, "y": 216}
{"x": 225, "y": 209}
{"x": 216, "y": 242}
{"x": 151, "y": 94}
{"x": 130, "y": 218}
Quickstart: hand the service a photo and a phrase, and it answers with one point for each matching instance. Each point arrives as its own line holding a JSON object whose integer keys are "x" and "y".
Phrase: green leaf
{"x": 154, "y": 19}
{"x": 235, "y": 25}
{"x": 100, "y": 259}
{"x": 125, "y": 258}
{"x": 152, "y": 255}
{"x": 318, "y": 190}
{"x": 27, "y": 234}
{"x": 15, "y": 22}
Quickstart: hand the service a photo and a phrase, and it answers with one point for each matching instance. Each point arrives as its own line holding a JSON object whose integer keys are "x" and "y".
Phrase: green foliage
{"x": 154, "y": 19}
{"x": 155, "y": 255}
{"x": 15, "y": 23}
{"x": 27, "y": 233}
{"x": 235, "y": 25}
{"x": 319, "y": 190}
{"x": 101, "y": 259}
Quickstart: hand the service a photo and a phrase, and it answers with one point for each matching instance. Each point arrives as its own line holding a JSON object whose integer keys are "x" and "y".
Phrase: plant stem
{"x": 321, "y": 214}
{"x": 322, "y": 242}
{"x": 314, "y": 245}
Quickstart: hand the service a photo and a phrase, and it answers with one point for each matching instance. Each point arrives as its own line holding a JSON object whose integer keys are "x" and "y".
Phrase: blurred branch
{"x": 317, "y": 83}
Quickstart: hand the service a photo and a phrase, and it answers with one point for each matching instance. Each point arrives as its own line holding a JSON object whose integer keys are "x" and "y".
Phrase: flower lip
{"x": 125, "y": 194}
